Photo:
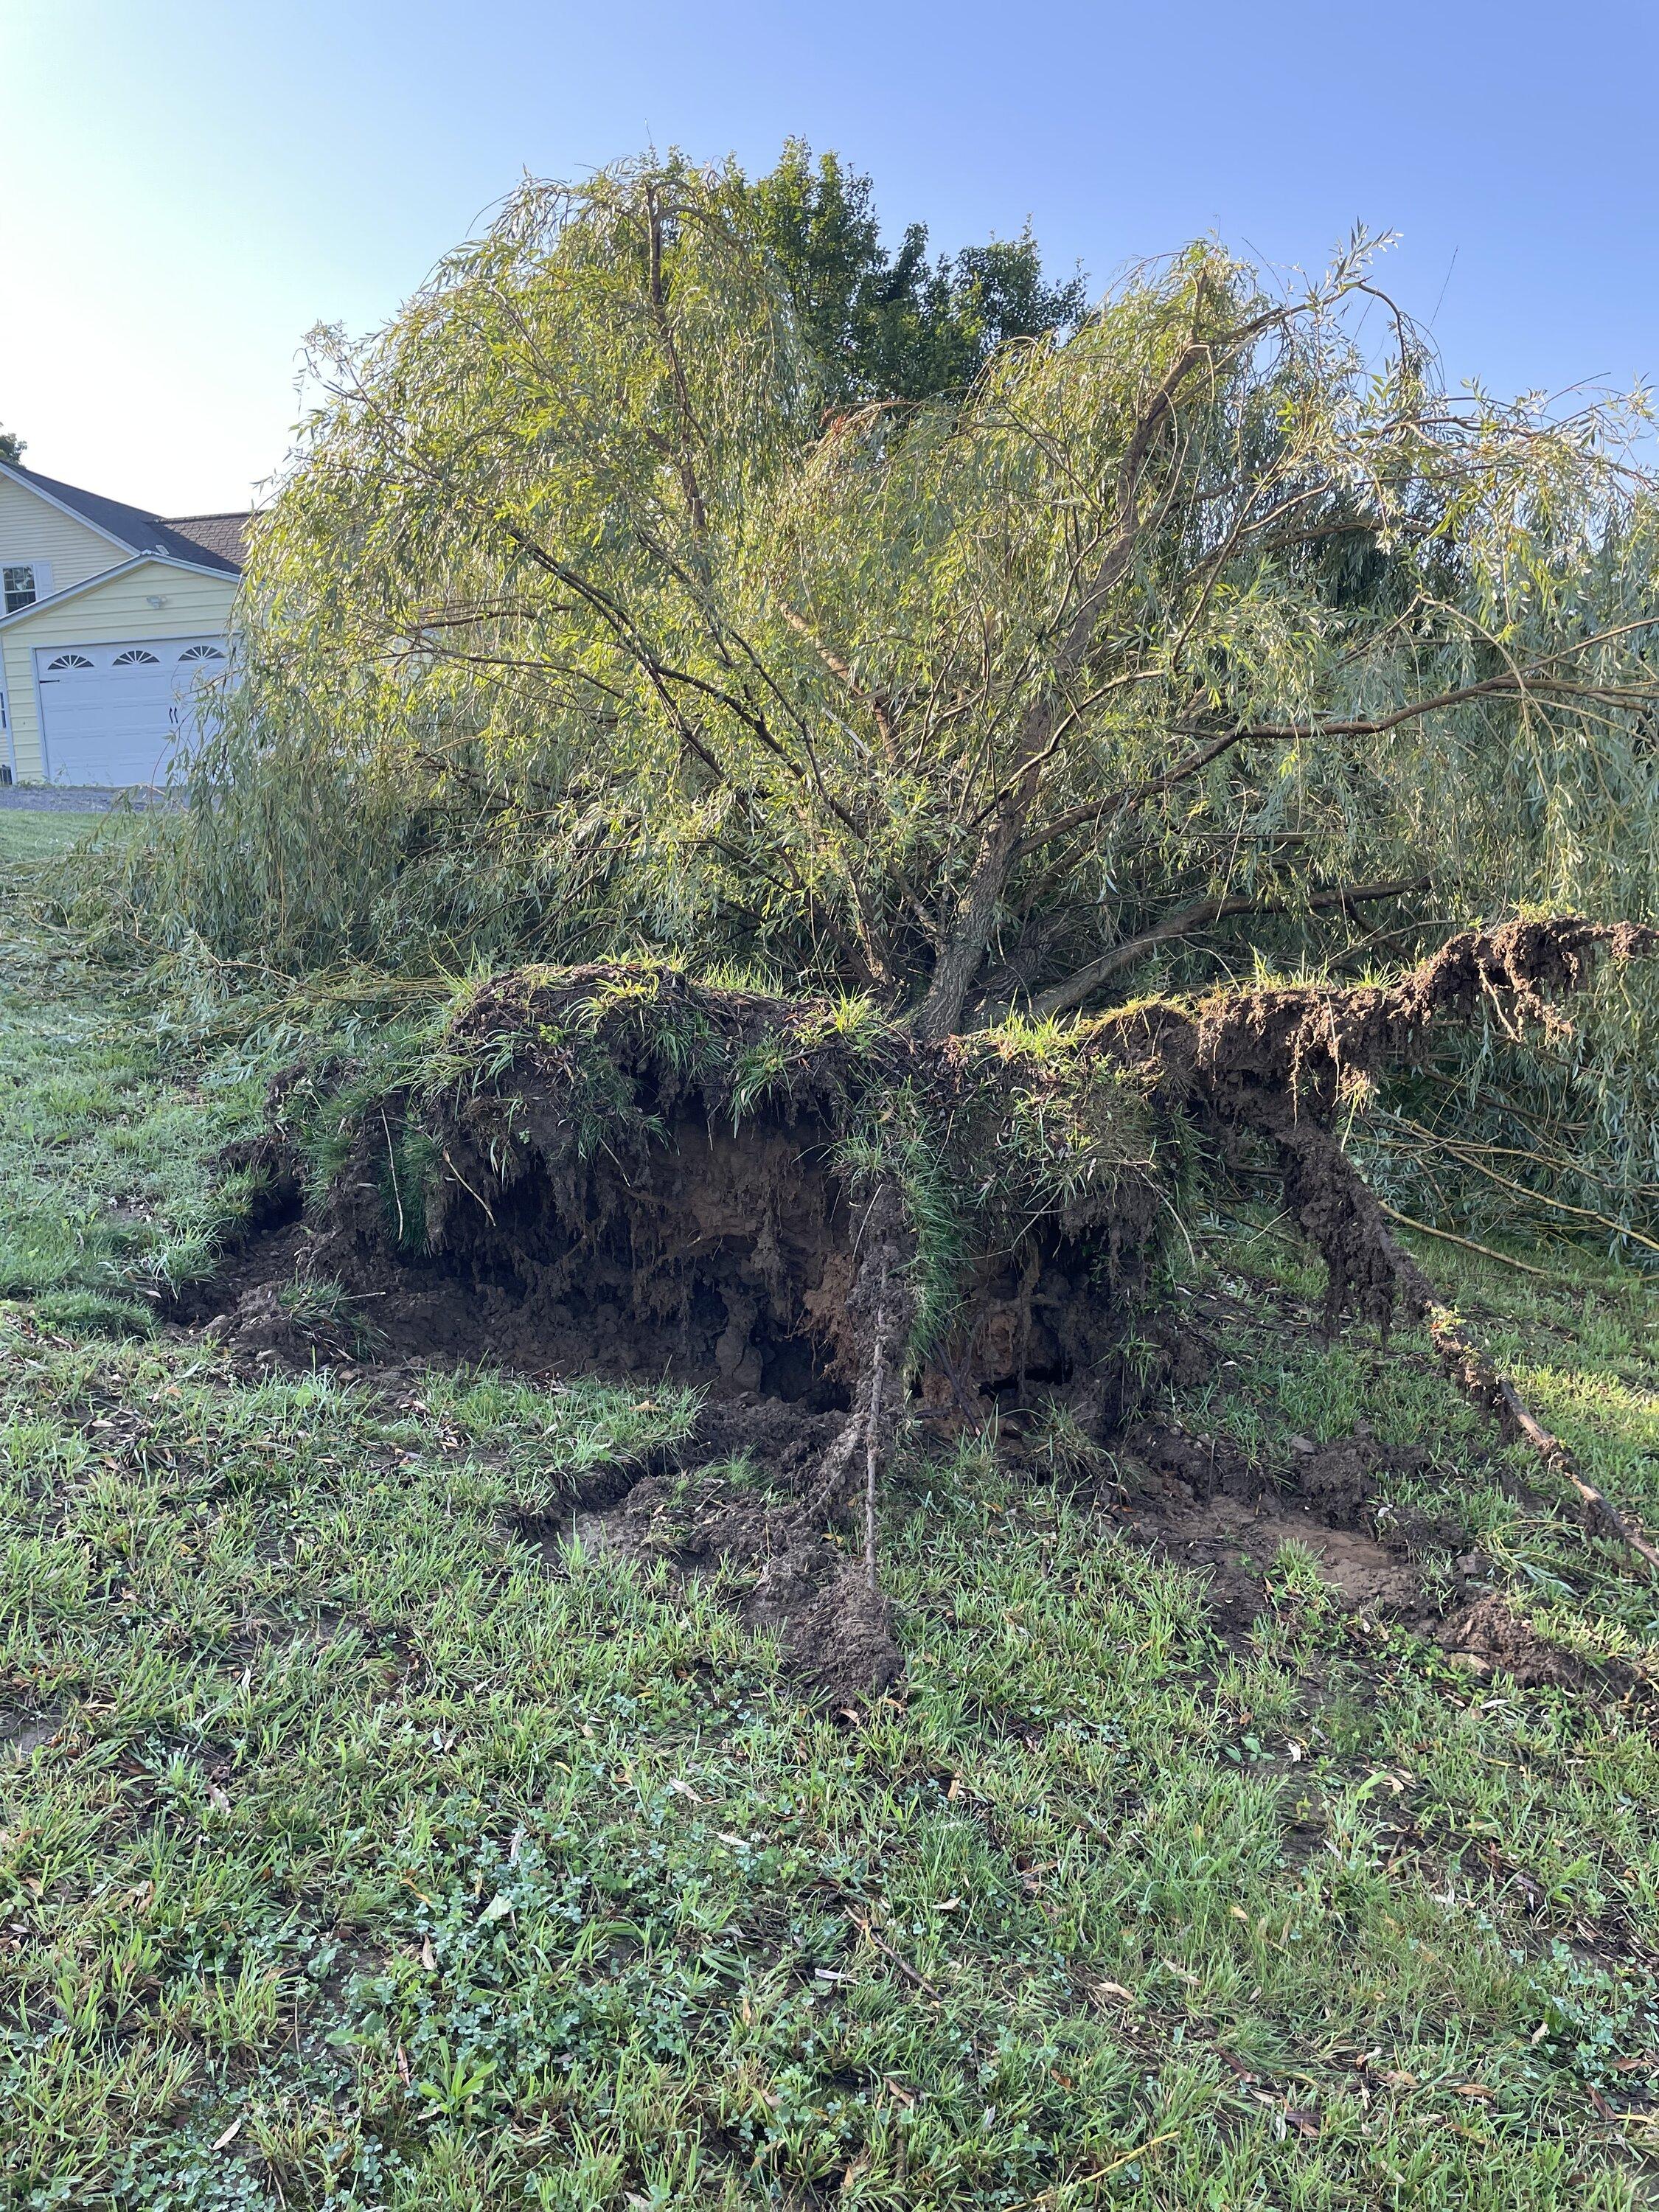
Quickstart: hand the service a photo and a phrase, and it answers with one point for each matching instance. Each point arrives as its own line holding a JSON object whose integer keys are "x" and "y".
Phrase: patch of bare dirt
{"x": 1488, "y": 1638}
{"x": 1197, "y": 1502}
{"x": 23, "y": 1733}
{"x": 785, "y": 1576}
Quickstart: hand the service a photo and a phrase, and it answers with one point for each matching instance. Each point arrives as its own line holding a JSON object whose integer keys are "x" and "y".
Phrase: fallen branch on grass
{"x": 1468, "y": 1366}
{"x": 868, "y": 1930}
{"x": 1450, "y": 1237}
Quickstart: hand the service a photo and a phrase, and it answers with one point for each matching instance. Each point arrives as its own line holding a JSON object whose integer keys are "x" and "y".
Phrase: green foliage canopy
{"x": 576, "y": 629}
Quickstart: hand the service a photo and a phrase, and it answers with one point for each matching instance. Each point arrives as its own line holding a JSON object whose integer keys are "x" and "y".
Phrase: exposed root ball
{"x": 617, "y": 1169}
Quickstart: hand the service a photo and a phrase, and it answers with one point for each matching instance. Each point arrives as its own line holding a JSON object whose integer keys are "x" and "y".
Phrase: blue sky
{"x": 189, "y": 186}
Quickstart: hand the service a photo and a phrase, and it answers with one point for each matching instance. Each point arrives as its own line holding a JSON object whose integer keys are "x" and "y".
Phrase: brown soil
{"x": 770, "y": 1558}
{"x": 1195, "y": 1501}
{"x": 834, "y": 1631}
{"x": 510, "y": 1289}
{"x": 1488, "y": 1637}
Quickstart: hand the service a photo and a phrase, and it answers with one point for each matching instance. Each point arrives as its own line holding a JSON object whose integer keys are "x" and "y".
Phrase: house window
{"x": 200, "y": 653}
{"x": 69, "y": 660}
{"x": 19, "y": 587}
{"x": 136, "y": 657}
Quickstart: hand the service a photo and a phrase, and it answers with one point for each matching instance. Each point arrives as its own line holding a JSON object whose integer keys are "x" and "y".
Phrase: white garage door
{"x": 118, "y": 714}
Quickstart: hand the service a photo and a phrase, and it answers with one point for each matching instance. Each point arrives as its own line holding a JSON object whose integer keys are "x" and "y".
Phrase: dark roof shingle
{"x": 223, "y": 534}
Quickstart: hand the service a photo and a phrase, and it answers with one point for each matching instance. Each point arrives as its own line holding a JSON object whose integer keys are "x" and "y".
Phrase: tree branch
{"x": 964, "y": 948}
{"x": 658, "y": 293}
{"x": 1061, "y": 997}
{"x": 1133, "y": 794}
{"x": 839, "y": 669}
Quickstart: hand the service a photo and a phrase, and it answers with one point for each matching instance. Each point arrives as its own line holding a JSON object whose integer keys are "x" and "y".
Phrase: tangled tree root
{"x": 615, "y": 1169}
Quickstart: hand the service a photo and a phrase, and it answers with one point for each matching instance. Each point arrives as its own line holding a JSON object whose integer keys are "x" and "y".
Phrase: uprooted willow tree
{"x": 1214, "y": 629}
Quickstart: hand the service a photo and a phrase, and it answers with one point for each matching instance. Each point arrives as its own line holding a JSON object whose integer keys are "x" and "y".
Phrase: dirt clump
{"x": 834, "y": 1631}
{"x": 783, "y": 1440}
{"x": 618, "y": 1171}
{"x": 269, "y": 1326}
{"x": 1489, "y": 1636}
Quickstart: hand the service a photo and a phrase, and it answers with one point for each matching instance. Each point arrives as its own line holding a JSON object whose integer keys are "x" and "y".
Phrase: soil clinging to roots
{"x": 613, "y": 1169}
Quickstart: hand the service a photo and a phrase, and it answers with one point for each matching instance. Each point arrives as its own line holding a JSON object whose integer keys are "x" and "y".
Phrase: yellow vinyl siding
{"x": 32, "y": 529}
{"x": 196, "y": 605}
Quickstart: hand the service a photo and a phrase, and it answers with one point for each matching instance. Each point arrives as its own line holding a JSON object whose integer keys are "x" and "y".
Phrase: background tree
{"x": 895, "y": 326}
{"x": 12, "y": 447}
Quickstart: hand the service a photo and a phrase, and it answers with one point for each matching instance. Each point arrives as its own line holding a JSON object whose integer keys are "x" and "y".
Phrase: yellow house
{"x": 110, "y": 621}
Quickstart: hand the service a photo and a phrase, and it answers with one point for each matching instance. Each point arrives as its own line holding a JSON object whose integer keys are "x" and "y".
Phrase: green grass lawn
{"x": 352, "y": 1853}
{"x": 26, "y": 834}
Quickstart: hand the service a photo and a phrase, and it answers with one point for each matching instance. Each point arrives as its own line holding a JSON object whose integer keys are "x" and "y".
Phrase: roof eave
{"x": 25, "y": 482}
